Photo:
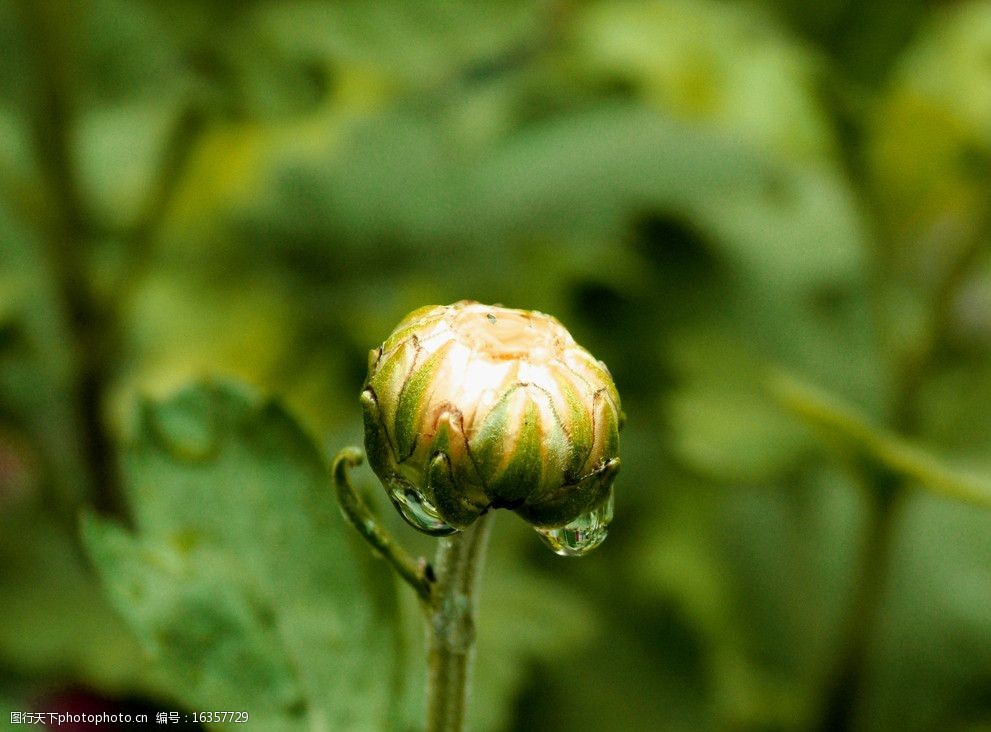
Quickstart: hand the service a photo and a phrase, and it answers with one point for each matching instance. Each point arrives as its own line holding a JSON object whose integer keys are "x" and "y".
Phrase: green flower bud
{"x": 470, "y": 407}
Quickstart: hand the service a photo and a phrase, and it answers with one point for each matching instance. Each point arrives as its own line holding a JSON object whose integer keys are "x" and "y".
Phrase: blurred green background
{"x": 770, "y": 218}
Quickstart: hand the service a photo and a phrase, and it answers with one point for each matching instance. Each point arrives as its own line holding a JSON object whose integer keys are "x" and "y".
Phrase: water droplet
{"x": 419, "y": 512}
{"x": 583, "y": 534}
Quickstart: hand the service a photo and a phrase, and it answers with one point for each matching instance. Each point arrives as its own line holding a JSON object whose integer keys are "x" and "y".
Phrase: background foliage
{"x": 770, "y": 219}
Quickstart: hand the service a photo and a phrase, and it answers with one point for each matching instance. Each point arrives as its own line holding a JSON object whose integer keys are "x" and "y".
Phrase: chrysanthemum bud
{"x": 470, "y": 407}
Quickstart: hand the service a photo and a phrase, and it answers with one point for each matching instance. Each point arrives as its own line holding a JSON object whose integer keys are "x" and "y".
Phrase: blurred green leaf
{"x": 954, "y": 408}
{"x": 588, "y": 168}
{"x": 862, "y": 39}
{"x": 723, "y": 424}
{"x": 416, "y": 43}
{"x": 241, "y": 580}
{"x": 524, "y": 618}
{"x": 787, "y": 552}
{"x": 929, "y": 143}
{"x": 705, "y": 61}
{"x": 119, "y": 152}
{"x": 933, "y": 646}
{"x": 733, "y": 436}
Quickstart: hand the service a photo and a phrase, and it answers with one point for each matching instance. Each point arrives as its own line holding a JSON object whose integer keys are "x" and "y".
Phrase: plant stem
{"x": 356, "y": 512}
{"x": 446, "y": 591}
{"x": 886, "y": 495}
{"x": 451, "y": 626}
{"x": 95, "y": 324}
{"x": 52, "y": 115}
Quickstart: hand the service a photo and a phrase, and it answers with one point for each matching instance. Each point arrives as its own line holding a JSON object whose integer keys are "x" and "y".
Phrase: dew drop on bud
{"x": 419, "y": 512}
{"x": 583, "y": 534}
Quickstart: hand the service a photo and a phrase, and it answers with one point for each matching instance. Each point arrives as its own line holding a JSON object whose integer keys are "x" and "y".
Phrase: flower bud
{"x": 470, "y": 407}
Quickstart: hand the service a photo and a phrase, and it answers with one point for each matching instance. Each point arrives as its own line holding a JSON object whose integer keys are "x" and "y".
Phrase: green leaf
{"x": 119, "y": 151}
{"x": 417, "y": 43}
{"x": 241, "y": 579}
{"x": 723, "y": 425}
{"x": 933, "y": 650}
{"x": 929, "y": 141}
{"x": 524, "y": 618}
{"x": 707, "y": 61}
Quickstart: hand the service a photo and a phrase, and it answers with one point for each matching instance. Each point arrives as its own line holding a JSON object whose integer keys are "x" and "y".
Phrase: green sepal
{"x": 408, "y": 326}
{"x": 450, "y": 439}
{"x": 522, "y": 467}
{"x": 521, "y": 477}
{"x": 373, "y": 358}
{"x": 612, "y": 427}
{"x": 408, "y": 417}
{"x": 488, "y": 444}
{"x": 579, "y": 431}
{"x": 452, "y": 501}
{"x": 392, "y": 374}
{"x": 381, "y": 456}
{"x": 568, "y": 502}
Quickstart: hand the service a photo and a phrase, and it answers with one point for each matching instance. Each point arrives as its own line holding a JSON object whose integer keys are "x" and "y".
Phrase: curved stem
{"x": 451, "y": 626}
{"x": 413, "y": 572}
{"x": 447, "y": 593}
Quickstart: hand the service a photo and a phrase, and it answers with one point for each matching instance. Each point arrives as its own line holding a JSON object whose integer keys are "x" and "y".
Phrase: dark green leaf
{"x": 241, "y": 579}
